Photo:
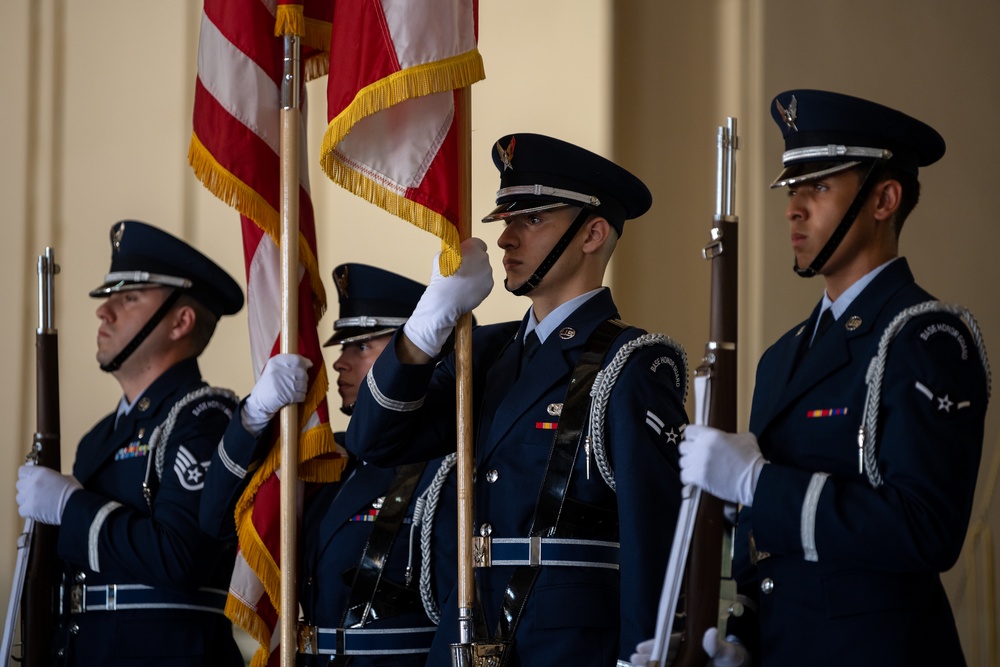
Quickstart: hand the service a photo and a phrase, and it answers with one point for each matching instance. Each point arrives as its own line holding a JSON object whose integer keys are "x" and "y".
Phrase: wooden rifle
{"x": 698, "y": 585}
{"x": 37, "y": 572}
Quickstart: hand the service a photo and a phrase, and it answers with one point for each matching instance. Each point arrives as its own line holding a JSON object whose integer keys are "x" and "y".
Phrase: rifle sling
{"x": 558, "y": 472}
{"x": 362, "y": 599}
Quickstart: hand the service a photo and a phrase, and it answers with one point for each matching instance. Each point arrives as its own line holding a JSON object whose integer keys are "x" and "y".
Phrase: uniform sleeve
{"x": 234, "y": 461}
{"x": 645, "y": 420}
{"x": 930, "y": 437}
{"x": 165, "y": 546}
{"x": 405, "y": 412}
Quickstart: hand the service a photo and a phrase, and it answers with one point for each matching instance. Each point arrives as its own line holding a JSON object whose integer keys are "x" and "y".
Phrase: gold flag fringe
{"x": 456, "y": 72}
{"x": 234, "y": 192}
{"x": 315, "y": 34}
{"x": 239, "y": 613}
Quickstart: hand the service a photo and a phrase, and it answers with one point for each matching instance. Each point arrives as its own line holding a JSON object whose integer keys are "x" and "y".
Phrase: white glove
{"x": 445, "y": 299}
{"x": 284, "y": 380}
{"x": 727, "y": 465}
{"x": 724, "y": 653}
{"x": 42, "y": 493}
{"x": 644, "y": 650}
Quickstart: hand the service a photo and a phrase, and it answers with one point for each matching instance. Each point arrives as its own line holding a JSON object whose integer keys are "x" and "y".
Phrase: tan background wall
{"x": 95, "y": 121}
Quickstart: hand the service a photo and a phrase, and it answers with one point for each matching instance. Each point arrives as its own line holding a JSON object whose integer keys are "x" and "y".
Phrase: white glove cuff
{"x": 254, "y": 418}
{"x": 426, "y": 333}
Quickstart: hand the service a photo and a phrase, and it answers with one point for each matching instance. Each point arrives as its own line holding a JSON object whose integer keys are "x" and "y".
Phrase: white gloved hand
{"x": 42, "y": 493}
{"x": 727, "y": 465}
{"x": 644, "y": 650}
{"x": 284, "y": 380}
{"x": 728, "y": 652}
{"x": 445, "y": 299}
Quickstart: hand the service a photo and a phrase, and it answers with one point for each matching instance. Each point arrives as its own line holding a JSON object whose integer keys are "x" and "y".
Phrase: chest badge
{"x": 554, "y": 409}
{"x": 853, "y": 323}
{"x": 144, "y": 404}
{"x": 567, "y": 333}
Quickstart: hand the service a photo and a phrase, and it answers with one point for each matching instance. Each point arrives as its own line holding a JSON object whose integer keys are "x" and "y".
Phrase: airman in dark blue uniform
{"x": 143, "y": 585}
{"x": 368, "y": 580}
{"x": 858, "y": 474}
{"x": 574, "y": 517}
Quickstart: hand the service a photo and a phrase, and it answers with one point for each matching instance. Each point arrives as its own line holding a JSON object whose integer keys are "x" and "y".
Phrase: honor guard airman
{"x": 573, "y": 516}
{"x": 143, "y": 585}
{"x": 378, "y": 546}
{"x": 858, "y": 474}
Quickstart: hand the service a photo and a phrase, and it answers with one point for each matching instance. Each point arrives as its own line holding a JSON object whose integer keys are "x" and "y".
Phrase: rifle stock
{"x": 37, "y": 574}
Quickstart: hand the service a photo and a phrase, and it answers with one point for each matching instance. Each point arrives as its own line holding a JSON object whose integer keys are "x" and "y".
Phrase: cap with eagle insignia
{"x": 373, "y": 302}
{"x": 539, "y": 172}
{"x": 827, "y": 132}
{"x": 144, "y": 256}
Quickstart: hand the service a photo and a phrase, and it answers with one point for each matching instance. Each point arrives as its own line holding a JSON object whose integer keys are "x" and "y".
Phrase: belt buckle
{"x": 487, "y": 654}
{"x": 535, "y": 550}
{"x": 481, "y": 554}
{"x": 77, "y": 596}
{"x": 307, "y": 639}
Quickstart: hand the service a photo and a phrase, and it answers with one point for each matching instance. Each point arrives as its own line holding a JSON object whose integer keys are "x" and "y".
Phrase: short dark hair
{"x": 909, "y": 187}
{"x": 204, "y": 323}
{"x": 910, "y": 196}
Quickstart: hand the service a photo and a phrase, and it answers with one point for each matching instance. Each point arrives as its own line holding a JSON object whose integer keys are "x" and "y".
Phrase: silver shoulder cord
{"x": 423, "y": 517}
{"x": 161, "y": 434}
{"x": 876, "y": 370}
{"x": 601, "y": 391}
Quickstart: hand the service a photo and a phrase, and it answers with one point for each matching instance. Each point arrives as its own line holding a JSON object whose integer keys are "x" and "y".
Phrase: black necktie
{"x": 825, "y": 322}
{"x": 531, "y": 345}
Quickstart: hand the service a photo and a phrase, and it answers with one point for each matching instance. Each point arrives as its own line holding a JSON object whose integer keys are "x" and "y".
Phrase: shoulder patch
{"x": 213, "y": 404}
{"x": 671, "y": 364}
{"x": 190, "y": 471}
{"x": 943, "y": 328}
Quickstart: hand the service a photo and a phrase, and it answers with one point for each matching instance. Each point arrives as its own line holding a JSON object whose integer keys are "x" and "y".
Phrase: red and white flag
{"x": 392, "y": 139}
{"x": 234, "y": 151}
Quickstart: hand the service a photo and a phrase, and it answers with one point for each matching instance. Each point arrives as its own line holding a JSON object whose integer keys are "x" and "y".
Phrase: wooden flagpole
{"x": 463, "y": 388}
{"x": 289, "y": 198}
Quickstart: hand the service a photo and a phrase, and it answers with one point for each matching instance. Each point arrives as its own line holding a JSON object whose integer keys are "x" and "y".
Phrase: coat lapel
{"x": 551, "y": 367}
{"x": 833, "y": 351}
{"x": 100, "y": 445}
{"x": 356, "y": 496}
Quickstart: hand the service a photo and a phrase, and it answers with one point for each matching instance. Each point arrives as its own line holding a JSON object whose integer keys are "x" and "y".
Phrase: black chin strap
{"x": 147, "y": 329}
{"x": 554, "y": 254}
{"x": 841, "y": 231}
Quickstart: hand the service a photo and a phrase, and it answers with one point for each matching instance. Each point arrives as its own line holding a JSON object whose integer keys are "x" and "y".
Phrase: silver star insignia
{"x": 945, "y": 403}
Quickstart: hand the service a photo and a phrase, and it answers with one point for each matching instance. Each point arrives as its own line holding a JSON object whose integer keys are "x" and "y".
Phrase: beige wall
{"x": 96, "y": 120}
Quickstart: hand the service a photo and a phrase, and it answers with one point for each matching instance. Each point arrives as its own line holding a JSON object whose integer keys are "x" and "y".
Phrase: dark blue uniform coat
{"x": 335, "y": 529}
{"x": 575, "y": 615}
{"x": 110, "y": 536}
{"x": 862, "y": 586}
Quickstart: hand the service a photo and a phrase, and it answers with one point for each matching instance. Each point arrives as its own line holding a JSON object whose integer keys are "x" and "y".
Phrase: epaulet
{"x": 210, "y": 397}
{"x": 605, "y": 382}
{"x": 876, "y": 371}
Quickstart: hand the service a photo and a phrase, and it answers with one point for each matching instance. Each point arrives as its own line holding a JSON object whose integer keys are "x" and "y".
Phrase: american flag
{"x": 234, "y": 151}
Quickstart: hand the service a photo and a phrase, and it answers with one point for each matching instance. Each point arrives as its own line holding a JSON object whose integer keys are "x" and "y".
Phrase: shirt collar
{"x": 557, "y": 316}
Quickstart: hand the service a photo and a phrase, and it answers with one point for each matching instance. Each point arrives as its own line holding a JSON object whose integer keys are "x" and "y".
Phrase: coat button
{"x": 74, "y": 629}
{"x": 767, "y": 586}
{"x": 485, "y": 530}
{"x": 492, "y": 476}
{"x": 80, "y": 577}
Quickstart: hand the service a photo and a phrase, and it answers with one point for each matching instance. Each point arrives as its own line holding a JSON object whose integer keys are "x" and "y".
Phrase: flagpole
{"x": 463, "y": 389}
{"x": 289, "y": 198}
